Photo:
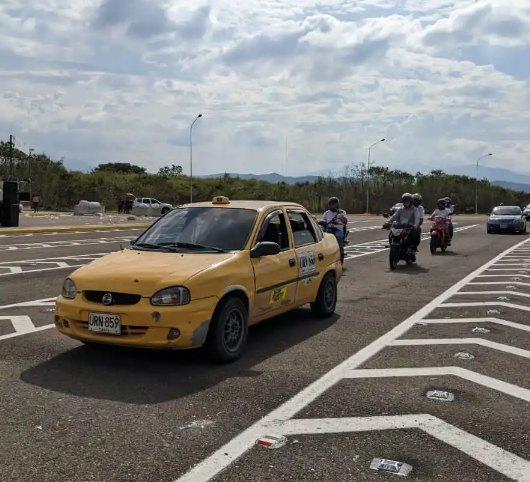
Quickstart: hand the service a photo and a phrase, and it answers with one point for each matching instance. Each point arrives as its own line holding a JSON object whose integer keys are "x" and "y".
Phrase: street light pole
{"x": 367, "y": 175}
{"x": 191, "y": 156}
{"x": 476, "y": 181}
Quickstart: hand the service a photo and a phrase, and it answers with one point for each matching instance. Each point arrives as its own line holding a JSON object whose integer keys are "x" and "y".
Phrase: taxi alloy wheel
{"x": 326, "y": 301}
{"x": 229, "y": 331}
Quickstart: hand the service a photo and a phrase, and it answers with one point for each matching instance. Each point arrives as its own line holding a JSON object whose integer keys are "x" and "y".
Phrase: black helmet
{"x": 334, "y": 200}
{"x": 441, "y": 202}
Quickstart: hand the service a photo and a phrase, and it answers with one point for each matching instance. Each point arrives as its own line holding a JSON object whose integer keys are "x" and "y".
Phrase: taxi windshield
{"x": 507, "y": 211}
{"x": 200, "y": 228}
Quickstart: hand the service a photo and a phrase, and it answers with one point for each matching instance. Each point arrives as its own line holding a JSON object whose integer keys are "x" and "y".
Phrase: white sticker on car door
{"x": 306, "y": 262}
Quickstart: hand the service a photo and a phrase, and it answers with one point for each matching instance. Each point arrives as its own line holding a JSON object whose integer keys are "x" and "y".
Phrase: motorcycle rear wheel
{"x": 393, "y": 256}
{"x": 434, "y": 244}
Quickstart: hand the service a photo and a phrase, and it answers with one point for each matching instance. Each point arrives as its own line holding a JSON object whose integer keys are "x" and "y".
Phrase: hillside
{"x": 498, "y": 177}
{"x": 273, "y": 177}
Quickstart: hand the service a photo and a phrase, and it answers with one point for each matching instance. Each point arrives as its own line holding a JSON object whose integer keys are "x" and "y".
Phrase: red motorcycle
{"x": 439, "y": 233}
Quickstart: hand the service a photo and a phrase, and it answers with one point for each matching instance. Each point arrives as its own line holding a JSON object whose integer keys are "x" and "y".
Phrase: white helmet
{"x": 407, "y": 196}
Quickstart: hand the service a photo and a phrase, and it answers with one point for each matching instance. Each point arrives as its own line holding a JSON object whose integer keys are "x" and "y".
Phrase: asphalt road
{"x": 71, "y": 413}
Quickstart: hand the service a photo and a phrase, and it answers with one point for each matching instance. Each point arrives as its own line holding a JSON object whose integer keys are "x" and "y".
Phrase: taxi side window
{"x": 274, "y": 229}
{"x": 303, "y": 230}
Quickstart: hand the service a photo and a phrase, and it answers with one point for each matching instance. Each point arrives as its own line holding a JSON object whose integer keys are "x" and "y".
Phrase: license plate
{"x": 504, "y": 226}
{"x": 108, "y": 323}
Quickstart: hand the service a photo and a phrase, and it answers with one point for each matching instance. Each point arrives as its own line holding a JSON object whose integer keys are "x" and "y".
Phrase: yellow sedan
{"x": 201, "y": 275}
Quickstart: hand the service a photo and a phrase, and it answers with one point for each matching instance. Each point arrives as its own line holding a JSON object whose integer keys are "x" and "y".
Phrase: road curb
{"x": 70, "y": 229}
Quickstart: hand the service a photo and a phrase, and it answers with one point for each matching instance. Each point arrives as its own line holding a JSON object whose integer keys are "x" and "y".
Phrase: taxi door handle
{"x": 320, "y": 256}
{"x": 292, "y": 262}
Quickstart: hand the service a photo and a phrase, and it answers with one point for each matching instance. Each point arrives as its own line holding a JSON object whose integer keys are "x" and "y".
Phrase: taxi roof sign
{"x": 220, "y": 200}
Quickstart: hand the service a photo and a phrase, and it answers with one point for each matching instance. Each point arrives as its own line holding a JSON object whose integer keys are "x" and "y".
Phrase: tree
{"x": 120, "y": 168}
{"x": 168, "y": 172}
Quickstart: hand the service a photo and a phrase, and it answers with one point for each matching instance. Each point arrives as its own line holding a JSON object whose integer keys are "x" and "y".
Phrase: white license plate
{"x": 504, "y": 226}
{"x": 104, "y": 323}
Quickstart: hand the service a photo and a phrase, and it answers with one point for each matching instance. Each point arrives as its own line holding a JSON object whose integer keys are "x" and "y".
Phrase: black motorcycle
{"x": 400, "y": 238}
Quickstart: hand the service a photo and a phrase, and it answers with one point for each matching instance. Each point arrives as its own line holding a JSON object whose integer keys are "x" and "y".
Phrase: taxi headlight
{"x": 172, "y": 296}
{"x": 69, "y": 290}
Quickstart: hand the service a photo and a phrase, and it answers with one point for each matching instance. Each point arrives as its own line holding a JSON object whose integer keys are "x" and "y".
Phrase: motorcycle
{"x": 400, "y": 249}
{"x": 439, "y": 234}
{"x": 328, "y": 228}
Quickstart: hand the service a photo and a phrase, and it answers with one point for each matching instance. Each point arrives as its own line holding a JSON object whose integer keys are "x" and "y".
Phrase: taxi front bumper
{"x": 142, "y": 324}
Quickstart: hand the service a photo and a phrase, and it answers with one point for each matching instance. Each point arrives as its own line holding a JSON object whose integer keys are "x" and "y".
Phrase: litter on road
{"x": 440, "y": 395}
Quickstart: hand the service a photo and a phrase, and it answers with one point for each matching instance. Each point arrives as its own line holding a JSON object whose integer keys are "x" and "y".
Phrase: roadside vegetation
{"x": 61, "y": 189}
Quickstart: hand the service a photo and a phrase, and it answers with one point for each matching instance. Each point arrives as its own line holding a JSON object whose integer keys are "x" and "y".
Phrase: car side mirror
{"x": 265, "y": 248}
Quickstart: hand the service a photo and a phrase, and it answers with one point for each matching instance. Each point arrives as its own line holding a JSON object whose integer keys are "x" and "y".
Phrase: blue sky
{"x": 121, "y": 81}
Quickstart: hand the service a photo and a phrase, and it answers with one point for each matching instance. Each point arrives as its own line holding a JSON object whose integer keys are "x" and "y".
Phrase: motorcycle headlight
{"x": 396, "y": 232}
{"x": 69, "y": 290}
{"x": 172, "y": 296}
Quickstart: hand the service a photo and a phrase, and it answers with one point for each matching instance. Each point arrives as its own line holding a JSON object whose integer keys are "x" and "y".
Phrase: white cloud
{"x": 444, "y": 81}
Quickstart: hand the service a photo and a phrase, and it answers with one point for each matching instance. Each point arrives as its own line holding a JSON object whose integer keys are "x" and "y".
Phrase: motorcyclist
{"x": 417, "y": 200}
{"x": 408, "y": 214}
{"x": 335, "y": 218}
{"x": 443, "y": 211}
{"x": 449, "y": 206}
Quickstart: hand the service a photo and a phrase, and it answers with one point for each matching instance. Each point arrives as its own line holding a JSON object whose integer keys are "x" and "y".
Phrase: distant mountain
{"x": 492, "y": 174}
{"x": 273, "y": 177}
{"x": 499, "y": 177}
{"x": 512, "y": 185}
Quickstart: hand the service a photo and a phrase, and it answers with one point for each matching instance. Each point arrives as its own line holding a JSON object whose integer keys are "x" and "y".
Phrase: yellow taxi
{"x": 201, "y": 275}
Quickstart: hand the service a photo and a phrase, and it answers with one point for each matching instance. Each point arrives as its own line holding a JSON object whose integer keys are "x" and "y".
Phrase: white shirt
{"x": 442, "y": 212}
{"x": 329, "y": 215}
{"x": 421, "y": 210}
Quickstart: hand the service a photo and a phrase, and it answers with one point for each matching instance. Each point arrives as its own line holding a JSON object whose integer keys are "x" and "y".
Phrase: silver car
{"x": 508, "y": 219}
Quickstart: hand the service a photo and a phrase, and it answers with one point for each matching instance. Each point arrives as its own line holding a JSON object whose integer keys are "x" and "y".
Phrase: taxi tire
{"x": 318, "y": 307}
{"x": 214, "y": 343}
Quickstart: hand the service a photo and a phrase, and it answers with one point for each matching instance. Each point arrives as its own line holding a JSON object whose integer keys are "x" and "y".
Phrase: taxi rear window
{"x": 224, "y": 228}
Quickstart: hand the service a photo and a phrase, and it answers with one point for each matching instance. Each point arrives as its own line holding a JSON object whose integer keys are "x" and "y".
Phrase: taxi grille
{"x": 117, "y": 298}
{"x": 126, "y": 330}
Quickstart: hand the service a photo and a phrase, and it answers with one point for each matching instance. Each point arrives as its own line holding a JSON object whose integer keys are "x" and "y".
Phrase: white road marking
{"x": 486, "y": 303}
{"x": 9, "y": 268}
{"x": 494, "y": 457}
{"x": 22, "y": 323}
{"x": 373, "y": 247}
{"x": 462, "y": 341}
{"x": 503, "y": 461}
{"x": 469, "y": 375}
{"x": 476, "y": 321}
{"x": 66, "y": 244}
{"x": 55, "y": 233}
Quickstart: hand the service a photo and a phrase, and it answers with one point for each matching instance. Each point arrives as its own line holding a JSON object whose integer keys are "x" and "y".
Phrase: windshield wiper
{"x": 158, "y": 247}
{"x": 193, "y": 246}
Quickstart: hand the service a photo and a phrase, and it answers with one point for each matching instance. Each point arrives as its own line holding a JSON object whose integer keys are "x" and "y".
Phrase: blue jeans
{"x": 339, "y": 234}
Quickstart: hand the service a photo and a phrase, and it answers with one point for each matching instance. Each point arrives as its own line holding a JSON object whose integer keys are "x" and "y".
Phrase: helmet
{"x": 441, "y": 202}
{"x": 334, "y": 200}
{"x": 417, "y": 199}
{"x": 407, "y": 196}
